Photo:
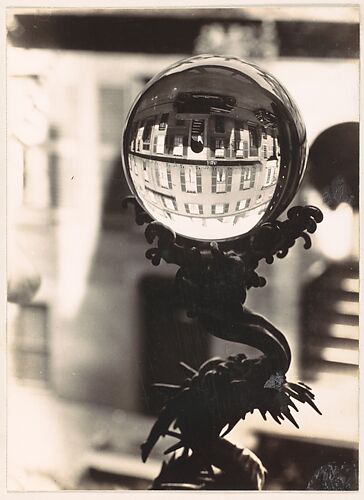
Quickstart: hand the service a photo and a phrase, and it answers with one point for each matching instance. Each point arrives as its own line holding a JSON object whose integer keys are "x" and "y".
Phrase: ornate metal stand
{"x": 214, "y": 279}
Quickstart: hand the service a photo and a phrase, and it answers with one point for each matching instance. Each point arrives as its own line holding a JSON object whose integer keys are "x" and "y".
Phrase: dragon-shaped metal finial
{"x": 212, "y": 400}
{"x": 213, "y": 279}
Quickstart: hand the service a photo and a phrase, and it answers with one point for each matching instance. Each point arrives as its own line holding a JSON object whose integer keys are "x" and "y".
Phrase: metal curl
{"x": 154, "y": 255}
{"x": 141, "y": 216}
{"x": 308, "y": 242}
{"x": 163, "y": 233}
{"x": 215, "y": 249}
{"x": 294, "y": 212}
{"x": 149, "y": 254}
{"x": 255, "y": 281}
{"x": 316, "y": 213}
{"x": 282, "y": 253}
{"x": 129, "y": 200}
{"x": 311, "y": 224}
{"x": 266, "y": 237}
{"x": 262, "y": 281}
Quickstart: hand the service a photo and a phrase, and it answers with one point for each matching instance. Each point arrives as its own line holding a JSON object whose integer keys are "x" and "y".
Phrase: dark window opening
{"x": 163, "y": 121}
{"x": 219, "y": 125}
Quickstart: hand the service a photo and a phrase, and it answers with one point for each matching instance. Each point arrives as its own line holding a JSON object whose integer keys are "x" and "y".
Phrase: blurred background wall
{"x": 103, "y": 324}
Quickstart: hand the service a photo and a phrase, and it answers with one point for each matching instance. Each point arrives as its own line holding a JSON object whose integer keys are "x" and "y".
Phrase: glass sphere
{"x": 214, "y": 146}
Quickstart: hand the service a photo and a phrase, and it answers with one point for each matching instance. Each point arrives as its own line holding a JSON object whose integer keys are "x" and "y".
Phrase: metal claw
{"x": 188, "y": 368}
{"x": 174, "y": 447}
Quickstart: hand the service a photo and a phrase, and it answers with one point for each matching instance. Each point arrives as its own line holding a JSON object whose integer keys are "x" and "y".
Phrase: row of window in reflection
{"x": 204, "y": 137}
{"x": 197, "y": 208}
{"x": 221, "y": 212}
{"x": 219, "y": 179}
{"x": 190, "y": 190}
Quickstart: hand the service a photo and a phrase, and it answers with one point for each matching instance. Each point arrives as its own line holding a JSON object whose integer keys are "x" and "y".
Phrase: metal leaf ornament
{"x": 211, "y": 401}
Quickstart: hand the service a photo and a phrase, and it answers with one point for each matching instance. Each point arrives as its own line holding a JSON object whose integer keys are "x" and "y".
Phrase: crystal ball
{"x": 213, "y": 147}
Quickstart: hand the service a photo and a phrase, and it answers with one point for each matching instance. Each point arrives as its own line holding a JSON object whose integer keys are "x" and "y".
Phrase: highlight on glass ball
{"x": 214, "y": 146}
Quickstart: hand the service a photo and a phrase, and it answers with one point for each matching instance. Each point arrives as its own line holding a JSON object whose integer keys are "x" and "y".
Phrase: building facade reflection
{"x": 213, "y": 146}
{"x": 207, "y": 170}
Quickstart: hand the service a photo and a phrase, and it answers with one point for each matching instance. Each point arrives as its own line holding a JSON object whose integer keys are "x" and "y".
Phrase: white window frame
{"x": 219, "y": 208}
{"x": 247, "y": 180}
{"x": 169, "y": 203}
{"x": 178, "y": 145}
{"x": 191, "y": 178}
{"x": 146, "y": 172}
{"x": 163, "y": 175}
{"x": 194, "y": 208}
{"x": 152, "y": 197}
{"x": 242, "y": 204}
{"x": 221, "y": 183}
{"x": 160, "y": 143}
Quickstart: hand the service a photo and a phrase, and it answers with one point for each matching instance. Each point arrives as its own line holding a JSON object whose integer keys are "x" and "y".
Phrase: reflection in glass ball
{"x": 213, "y": 146}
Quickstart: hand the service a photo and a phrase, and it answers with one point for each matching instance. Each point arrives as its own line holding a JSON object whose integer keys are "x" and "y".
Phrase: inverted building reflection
{"x": 204, "y": 161}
